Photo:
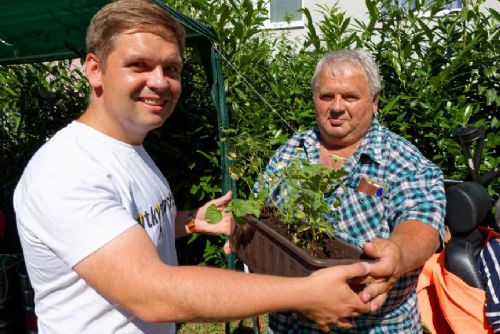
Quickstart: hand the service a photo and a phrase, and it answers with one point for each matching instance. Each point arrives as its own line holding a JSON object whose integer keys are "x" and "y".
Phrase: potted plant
{"x": 291, "y": 238}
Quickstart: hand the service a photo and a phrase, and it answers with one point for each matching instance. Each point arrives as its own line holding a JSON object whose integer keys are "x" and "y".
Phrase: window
{"x": 449, "y": 5}
{"x": 284, "y": 14}
{"x": 457, "y": 4}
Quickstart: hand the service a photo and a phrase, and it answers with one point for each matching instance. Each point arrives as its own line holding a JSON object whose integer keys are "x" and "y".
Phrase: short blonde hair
{"x": 123, "y": 15}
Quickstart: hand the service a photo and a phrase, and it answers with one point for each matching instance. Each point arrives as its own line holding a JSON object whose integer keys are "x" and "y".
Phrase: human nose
{"x": 158, "y": 79}
{"x": 337, "y": 104}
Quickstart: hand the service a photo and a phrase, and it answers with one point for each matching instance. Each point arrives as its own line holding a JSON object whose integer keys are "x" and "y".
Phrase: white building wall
{"x": 355, "y": 9}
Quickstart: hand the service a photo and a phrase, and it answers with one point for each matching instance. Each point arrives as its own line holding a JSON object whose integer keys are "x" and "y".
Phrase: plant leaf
{"x": 241, "y": 208}
{"x": 213, "y": 215}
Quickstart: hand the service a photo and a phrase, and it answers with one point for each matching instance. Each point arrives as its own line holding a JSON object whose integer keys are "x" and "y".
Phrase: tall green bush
{"x": 439, "y": 73}
{"x": 35, "y": 101}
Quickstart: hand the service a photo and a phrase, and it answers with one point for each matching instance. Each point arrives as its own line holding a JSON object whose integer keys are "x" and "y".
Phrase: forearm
{"x": 417, "y": 242}
{"x": 207, "y": 294}
{"x": 129, "y": 272}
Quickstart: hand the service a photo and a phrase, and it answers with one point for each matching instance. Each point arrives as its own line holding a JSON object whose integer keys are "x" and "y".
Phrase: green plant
{"x": 35, "y": 101}
{"x": 303, "y": 209}
{"x": 439, "y": 72}
{"x": 303, "y": 186}
{"x": 239, "y": 208}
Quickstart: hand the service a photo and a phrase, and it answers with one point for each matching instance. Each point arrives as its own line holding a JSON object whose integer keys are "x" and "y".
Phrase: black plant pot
{"x": 265, "y": 251}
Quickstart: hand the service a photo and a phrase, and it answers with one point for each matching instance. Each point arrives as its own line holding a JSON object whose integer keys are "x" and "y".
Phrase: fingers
{"x": 377, "y": 302}
{"x": 380, "y": 248}
{"x": 227, "y": 224}
{"x": 356, "y": 270}
{"x": 324, "y": 328}
{"x": 372, "y": 291}
{"x": 223, "y": 200}
{"x": 370, "y": 250}
{"x": 227, "y": 248}
{"x": 345, "y": 323}
{"x": 387, "y": 263}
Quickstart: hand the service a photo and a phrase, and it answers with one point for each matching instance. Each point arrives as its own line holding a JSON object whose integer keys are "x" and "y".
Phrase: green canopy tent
{"x": 37, "y": 31}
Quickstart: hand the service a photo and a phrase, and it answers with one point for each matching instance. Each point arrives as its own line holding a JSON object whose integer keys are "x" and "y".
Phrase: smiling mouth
{"x": 154, "y": 102}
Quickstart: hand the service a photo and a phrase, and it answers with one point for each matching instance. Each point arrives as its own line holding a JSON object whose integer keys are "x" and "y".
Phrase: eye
{"x": 325, "y": 97}
{"x": 171, "y": 69}
{"x": 350, "y": 98}
{"x": 137, "y": 65}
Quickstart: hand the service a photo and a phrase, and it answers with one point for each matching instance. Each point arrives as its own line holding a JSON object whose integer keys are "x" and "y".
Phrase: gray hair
{"x": 337, "y": 61}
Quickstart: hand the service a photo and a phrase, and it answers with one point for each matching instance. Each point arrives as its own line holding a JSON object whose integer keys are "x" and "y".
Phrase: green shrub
{"x": 439, "y": 73}
{"x": 35, "y": 101}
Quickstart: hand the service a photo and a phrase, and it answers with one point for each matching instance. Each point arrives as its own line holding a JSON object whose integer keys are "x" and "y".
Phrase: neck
{"x": 104, "y": 123}
{"x": 340, "y": 151}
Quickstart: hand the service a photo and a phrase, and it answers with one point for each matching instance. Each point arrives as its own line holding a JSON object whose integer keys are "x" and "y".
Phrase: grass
{"x": 236, "y": 327}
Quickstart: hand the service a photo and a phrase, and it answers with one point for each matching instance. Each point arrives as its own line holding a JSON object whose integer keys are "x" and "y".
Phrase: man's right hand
{"x": 332, "y": 300}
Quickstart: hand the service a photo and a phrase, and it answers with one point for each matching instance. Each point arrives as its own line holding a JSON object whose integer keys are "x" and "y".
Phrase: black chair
{"x": 468, "y": 205}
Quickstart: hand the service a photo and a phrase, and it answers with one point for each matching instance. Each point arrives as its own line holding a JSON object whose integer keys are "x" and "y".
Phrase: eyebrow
{"x": 171, "y": 59}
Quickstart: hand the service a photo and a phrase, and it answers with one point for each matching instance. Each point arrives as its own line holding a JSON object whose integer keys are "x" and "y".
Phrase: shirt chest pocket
{"x": 364, "y": 212}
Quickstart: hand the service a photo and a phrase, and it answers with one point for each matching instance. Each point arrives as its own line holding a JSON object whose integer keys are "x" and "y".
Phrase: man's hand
{"x": 333, "y": 300}
{"x": 385, "y": 271}
{"x": 225, "y": 226}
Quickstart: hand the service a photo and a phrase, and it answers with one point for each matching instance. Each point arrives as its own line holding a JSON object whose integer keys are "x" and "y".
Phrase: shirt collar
{"x": 371, "y": 145}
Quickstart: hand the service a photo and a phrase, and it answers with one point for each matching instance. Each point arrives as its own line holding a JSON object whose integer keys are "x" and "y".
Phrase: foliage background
{"x": 439, "y": 73}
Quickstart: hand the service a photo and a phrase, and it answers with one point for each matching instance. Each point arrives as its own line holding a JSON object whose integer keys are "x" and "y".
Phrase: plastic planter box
{"x": 265, "y": 251}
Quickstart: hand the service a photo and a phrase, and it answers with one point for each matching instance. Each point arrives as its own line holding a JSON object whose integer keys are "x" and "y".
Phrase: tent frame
{"x": 39, "y": 31}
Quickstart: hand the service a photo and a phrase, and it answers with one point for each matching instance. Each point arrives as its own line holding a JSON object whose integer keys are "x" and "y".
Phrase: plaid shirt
{"x": 488, "y": 263}
{"x": 413, "y": 191}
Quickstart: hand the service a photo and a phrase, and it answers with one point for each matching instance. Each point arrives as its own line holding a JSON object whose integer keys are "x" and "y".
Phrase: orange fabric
{"x": 432, "y": 317}
{"x": 445, "y": 300}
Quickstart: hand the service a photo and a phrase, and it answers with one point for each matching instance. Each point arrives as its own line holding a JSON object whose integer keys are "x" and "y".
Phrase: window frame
{"x": 283, "y": 24}
{"x": 409, "y": 5}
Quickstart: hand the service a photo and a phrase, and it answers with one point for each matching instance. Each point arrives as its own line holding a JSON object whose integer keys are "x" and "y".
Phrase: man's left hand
{"x": 385, "y": 271}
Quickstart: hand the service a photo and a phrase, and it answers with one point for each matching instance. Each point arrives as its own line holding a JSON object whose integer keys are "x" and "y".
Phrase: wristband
{"x": 191, "y": 225}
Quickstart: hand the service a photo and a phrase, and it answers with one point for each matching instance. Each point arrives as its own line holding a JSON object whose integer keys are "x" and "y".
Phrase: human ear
{"x": 93, "y": 70}
{"x": 375, "y": 103}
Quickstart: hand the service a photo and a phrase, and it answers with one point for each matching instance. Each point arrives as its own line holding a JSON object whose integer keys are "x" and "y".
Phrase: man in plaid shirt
{"x": 392, "y": 201}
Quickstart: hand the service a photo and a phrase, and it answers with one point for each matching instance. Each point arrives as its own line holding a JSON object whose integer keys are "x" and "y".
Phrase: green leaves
{"x": 238, "y": 208}
{"x": 213, "y": 215}
{"x": 36, "y": 100}
{"x": 439, "y": 72}
{"x": 304, "y": 208}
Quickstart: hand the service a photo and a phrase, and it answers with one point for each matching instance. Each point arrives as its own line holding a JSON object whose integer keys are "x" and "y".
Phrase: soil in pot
{"x": 267, "y": 251}
{"x": 324, "y": 248}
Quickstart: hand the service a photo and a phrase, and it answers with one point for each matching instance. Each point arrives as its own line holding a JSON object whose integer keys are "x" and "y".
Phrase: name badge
{"x": 371, "y": 187}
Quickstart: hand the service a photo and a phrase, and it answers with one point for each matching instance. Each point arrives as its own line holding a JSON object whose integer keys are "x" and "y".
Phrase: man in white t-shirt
{"x": 97, "y": 219}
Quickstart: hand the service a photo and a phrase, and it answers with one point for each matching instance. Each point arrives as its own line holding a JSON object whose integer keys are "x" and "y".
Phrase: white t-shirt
{"x": 81, "y": 190}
